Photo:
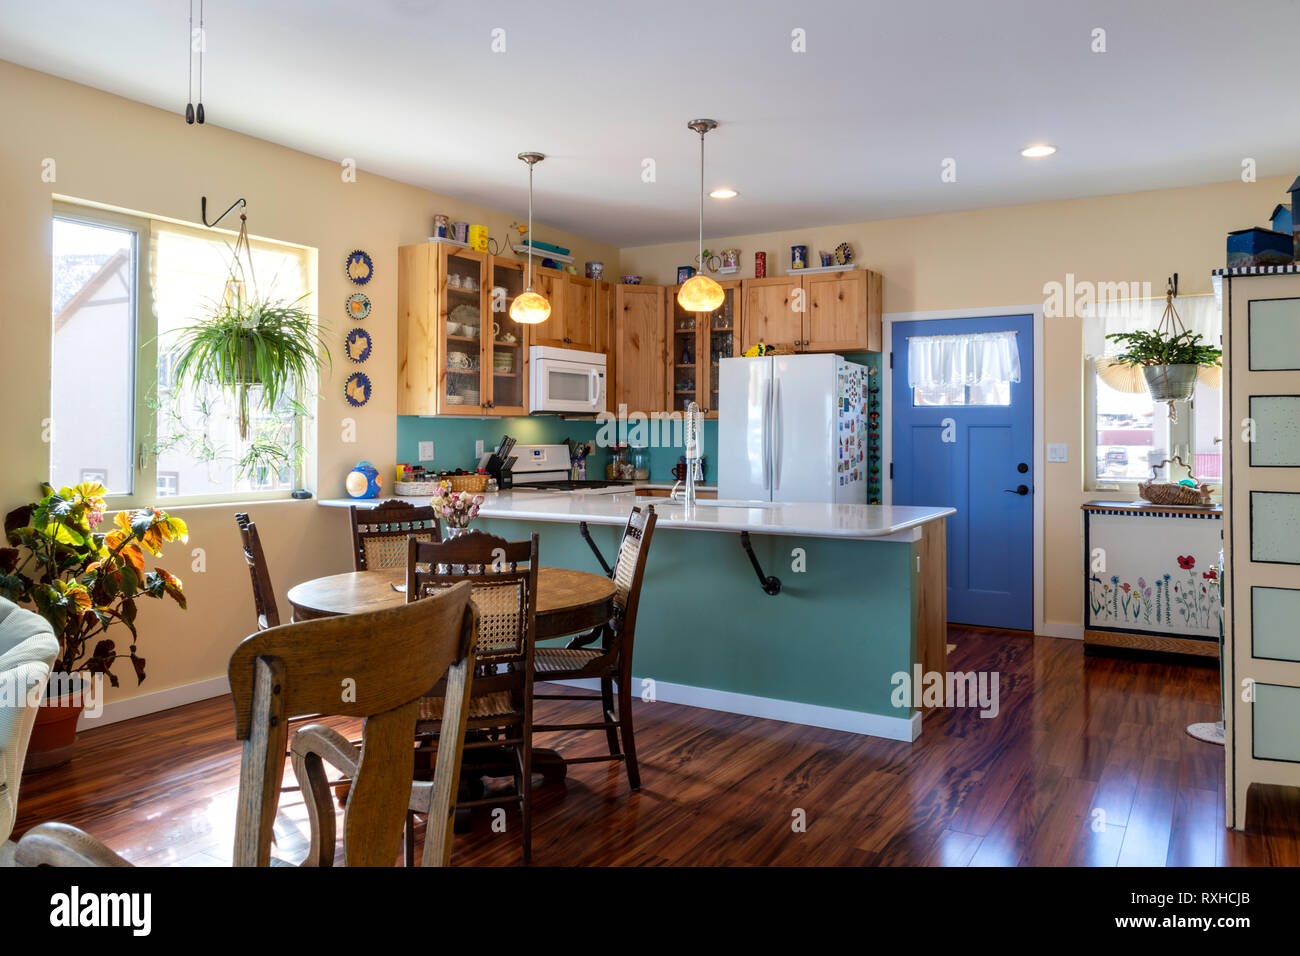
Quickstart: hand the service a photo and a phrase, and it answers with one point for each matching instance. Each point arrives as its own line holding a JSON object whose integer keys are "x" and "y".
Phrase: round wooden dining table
{"x": 567, "y": 601}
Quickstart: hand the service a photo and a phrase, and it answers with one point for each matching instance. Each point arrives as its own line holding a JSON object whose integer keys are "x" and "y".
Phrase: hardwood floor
{"x": 1086, "y": 763}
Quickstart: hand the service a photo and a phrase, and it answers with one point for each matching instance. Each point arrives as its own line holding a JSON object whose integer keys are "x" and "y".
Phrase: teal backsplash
{"x": 453, "y": 441}
{"x": 453, "y": 438}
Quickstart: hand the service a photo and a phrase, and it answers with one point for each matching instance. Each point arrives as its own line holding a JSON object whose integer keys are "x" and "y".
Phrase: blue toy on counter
{"x": 363, "y": 481}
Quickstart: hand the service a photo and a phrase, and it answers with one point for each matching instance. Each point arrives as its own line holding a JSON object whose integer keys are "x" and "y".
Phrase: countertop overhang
{"x": 806, "y": 519}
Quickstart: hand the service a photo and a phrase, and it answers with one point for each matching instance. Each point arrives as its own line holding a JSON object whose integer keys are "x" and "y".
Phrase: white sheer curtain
{"x": 1199, "y": 313}
{"x": 947, "y": 361}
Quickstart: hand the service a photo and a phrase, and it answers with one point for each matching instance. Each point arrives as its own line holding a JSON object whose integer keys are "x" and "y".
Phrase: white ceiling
{"x": 855, "y": 128}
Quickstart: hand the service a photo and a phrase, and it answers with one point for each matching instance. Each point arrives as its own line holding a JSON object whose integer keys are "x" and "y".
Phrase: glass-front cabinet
{"x": 508, "y": 351}
{"x": 697, "y": 342}
{"x": 459, "y": 352}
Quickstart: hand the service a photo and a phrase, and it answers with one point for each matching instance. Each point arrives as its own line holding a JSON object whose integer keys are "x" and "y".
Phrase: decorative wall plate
{"x": 357, "y": 389}
{"x": 359, "y": 267}
{"x": 843, "y": 254}
{"x": 357, "y": 345}
{"x": 358, "y": 306}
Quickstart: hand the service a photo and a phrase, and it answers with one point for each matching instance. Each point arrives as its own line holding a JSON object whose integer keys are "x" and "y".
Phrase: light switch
{"x": 426, "y": 451}
{"x": 478, "y": 450}
{"x": 1059, "y": 452}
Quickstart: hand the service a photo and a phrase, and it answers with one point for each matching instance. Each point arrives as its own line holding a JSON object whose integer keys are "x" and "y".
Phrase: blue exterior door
{"x": 973, "y": 449}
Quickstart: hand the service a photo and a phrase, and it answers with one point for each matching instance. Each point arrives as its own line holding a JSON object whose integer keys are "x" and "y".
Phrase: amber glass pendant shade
{"x": 530, "y": 308}
{"x": 699, "y": 293}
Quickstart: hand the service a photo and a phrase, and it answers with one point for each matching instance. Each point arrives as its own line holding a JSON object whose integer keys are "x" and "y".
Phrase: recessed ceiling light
{"x": 724, "y": 192}
{"x": 1036, "y": 152}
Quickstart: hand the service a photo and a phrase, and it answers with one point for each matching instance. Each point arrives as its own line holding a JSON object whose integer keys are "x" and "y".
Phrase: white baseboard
{"x": 160, "y": 700}
{"x": 811, "y": 715}
{"x": 1061, "y": 629}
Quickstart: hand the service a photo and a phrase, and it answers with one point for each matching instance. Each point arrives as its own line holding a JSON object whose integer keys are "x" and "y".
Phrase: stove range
{"x": 545, "y": 469}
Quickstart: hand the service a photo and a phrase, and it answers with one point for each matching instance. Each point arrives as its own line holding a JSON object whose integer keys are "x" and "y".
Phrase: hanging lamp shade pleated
{"x": 1121, "y": 377}
{"x": 699, "y": 293}
{"x": 530, "y": 308}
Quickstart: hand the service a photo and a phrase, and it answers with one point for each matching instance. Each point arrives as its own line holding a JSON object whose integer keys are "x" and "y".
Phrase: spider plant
{"x": 266, "y": 342}
{"x": 1165, "y": 348}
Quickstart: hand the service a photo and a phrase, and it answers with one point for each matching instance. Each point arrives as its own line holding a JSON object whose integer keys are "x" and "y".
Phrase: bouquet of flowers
{"x": 458, "y": 508}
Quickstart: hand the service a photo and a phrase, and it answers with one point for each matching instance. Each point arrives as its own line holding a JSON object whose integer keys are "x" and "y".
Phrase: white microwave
{"x": 565, "y": 380}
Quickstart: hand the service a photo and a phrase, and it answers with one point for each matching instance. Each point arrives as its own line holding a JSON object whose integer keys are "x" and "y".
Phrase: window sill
{"x": 189, "y": 502}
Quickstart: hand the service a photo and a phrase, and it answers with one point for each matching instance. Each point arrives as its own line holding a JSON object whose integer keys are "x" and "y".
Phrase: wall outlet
{"x": 1059, "y": 452}
{"x": 426, "y": 451}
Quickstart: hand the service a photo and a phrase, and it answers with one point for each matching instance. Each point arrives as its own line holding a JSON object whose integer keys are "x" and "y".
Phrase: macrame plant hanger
{"x": 1171, "y": 325}
{"x": 234, "y": 296}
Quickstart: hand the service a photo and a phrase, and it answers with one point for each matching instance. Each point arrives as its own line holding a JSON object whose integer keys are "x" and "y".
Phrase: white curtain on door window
{"x": 1199, "y": 313}
{"x": 980, "y": 358}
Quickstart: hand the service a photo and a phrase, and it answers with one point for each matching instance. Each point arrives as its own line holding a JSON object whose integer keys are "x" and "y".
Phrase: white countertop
{"x": 787, "y": 518}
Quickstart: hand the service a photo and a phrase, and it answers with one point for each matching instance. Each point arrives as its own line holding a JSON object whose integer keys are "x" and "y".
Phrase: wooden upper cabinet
{"x": 604, "y": 331}
{"x": 824, "y": 312}
{"x": 456, "y": 355}
{"x": 572, "y": 324}
{"x": 769, "y": 313}
{"x": 580, "y": 313}
{"x": 843, "y": 312}
{"x": 550, "y": 283}
{"x": 641, "y": 347}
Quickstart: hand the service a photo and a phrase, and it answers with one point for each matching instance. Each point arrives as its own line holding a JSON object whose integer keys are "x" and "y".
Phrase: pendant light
{"x": 700, "y": 293}
{"x": 529, "y": 307}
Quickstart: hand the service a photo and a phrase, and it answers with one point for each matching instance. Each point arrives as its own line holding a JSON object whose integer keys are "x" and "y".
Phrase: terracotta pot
{"x": 54, "y": 734}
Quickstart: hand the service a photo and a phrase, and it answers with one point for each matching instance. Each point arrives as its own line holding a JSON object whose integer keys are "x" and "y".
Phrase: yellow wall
{"x": 120, "y": 153}
{"x": 1003, "y": 257}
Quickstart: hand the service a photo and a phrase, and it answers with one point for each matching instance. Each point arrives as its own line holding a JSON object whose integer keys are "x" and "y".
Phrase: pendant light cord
{"x": 702, "y": 201}
{"x": 530, "y": 227}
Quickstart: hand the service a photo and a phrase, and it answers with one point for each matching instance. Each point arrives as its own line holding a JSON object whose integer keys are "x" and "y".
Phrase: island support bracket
{"x": 769, "y": 584}
{"x": 586, "y": 536}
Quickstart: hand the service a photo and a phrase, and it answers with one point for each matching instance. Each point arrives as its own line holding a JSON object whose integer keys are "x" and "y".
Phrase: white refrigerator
{"x": 793, "y": 428}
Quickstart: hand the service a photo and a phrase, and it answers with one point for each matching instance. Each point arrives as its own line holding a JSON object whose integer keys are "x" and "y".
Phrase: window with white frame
{"x": 123, "y": 288}
{"x": 1126, "y": 433}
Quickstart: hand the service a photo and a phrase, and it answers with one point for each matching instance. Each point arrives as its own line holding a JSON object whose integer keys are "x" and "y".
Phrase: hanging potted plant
{"x": 1171, "y": 356}
{"x": 85, "y": 582}
{"x": 251, "y": 341}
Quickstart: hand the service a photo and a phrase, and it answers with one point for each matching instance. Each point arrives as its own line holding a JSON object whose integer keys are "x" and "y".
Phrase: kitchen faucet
{"x": 694, "y": 467}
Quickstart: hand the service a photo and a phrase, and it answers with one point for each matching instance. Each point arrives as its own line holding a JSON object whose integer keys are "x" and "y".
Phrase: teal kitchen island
{"x": 862, "y": 599}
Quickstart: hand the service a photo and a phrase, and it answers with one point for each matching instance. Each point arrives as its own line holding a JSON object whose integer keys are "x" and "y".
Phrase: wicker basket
{"x": 415, "y": 489}
{"x": 476, "y": 484}
{"x": 1172, "y": 493}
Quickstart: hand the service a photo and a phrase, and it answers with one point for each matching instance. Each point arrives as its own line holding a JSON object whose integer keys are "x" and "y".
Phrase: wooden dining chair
{"x": 263, "y": 595}
{"x": 504, "y": 578}
{"x": 379, "y": 534}
{"x": 611, "y": 662}
{"x": 376, "y": 665}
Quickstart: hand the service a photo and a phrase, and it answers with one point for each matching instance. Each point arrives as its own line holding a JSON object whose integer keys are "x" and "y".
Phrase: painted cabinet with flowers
{"x": 1151, "y": 577}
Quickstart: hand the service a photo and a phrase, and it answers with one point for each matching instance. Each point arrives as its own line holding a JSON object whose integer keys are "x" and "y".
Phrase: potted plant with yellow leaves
{"x": 86, "y": 583}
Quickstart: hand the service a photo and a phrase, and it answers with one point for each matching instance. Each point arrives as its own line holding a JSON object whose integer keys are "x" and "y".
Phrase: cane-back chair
{"x": 611, "y": 662}
{"x": 504, "y": 579}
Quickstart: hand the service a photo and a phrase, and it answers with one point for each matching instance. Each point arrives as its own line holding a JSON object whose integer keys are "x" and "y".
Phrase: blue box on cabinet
{"x": 1259, "y": 247}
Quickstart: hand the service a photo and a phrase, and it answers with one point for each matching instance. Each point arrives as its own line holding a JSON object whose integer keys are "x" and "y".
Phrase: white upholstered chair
{"x": 27, "y": 651}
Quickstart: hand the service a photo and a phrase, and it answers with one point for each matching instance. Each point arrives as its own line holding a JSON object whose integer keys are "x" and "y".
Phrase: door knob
{"x": 1021, "y": 490}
